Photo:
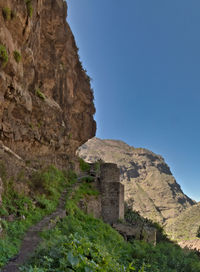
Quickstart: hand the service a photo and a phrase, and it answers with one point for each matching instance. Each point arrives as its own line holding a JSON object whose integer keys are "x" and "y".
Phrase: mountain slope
{"x": 185, "y": 226}
{"x": 150, "y": 187}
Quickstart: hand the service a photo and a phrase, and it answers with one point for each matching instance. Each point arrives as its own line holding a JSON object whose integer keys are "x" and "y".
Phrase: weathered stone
{"x": 47, "y": 88}
{"x": 112, "y": 193}
{"x": 138, "y": 232}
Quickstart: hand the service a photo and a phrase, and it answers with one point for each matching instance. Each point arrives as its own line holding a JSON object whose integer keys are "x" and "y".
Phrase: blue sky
{"x": 144, "y": 59}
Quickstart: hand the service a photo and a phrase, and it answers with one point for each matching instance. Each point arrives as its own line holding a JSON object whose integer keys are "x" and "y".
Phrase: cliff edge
{"x": 46, "y": 102}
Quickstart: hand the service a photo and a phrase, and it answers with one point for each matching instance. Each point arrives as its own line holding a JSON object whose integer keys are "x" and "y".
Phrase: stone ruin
{"x": 112, "y": 193}
{"x": 109, "y": 205}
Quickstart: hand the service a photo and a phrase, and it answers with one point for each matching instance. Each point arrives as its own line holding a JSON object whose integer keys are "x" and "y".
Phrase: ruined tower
{"x": 112, "y": 193}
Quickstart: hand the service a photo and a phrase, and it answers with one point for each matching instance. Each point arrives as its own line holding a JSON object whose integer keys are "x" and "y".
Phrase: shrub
{"x": 40, "y": 94}
{"x": 3, "y": 55}
{"x": 82, "y": 243}
{"x": 88, "y": 179}
{"x": 84, "y": 166}
{"x": 198, "y": 232}
{"x": 6, "y": 13}
{"x": 29, "y": 7}
{"x": 17, "y": 56}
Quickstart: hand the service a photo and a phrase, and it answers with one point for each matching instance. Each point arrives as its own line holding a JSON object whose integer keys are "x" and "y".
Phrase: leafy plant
{"x": 29, "y": 7}
{"x": 88, "y": 179}
{"x": 40, "y": 94}
{"x": 84, "y": 166}
{"x": 3, "y": 55}
{"x": 17, "y": 56}
{"x": 198, "y": 232}
{"x": 84, "y": 244}
{"x": 6, "y": 13}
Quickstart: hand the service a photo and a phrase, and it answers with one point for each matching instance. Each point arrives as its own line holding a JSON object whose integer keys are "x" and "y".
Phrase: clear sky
{"x": 144, "y": 59}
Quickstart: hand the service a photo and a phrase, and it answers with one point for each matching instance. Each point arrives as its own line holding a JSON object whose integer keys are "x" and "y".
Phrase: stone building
{"x": 112, "y": 193}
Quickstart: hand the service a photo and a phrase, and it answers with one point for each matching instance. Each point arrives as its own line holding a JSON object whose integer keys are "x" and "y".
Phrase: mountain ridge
{"x": 150, "y": 187}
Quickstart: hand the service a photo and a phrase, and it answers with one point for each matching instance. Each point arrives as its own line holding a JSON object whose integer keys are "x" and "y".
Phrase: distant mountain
{"x": 150, "y": 187}
{"x": 185, "y": 226}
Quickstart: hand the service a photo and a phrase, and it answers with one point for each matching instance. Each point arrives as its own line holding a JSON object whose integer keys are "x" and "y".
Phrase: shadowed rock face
{"x": 150, "y": 187}
{"x": 30, "y": 124}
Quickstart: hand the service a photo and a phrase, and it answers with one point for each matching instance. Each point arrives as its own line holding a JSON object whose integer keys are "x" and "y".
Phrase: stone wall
{"x": 112, "y": 193}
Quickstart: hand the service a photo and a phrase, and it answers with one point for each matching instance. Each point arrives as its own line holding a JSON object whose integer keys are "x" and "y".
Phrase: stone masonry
{"x": 112, "y": 193}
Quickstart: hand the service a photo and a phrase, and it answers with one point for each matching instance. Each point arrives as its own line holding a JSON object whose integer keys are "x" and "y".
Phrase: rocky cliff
{"x": 46, "y": 103}
{"x": 150, "y": 187}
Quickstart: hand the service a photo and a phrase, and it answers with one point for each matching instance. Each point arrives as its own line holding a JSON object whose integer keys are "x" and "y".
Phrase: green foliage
{"x": 48, "y": 181}
{"x": 133, "y": 217}
{"x": 198, "y": 232}
{"x": 97, "y": 166}
{"x": 26, "y": 210}
{"x": 6, "y": 13}
{"x": 3, "y": 55}
{"x": 82, "y": 243}
{"x": 17, "y": 56}
{"x": 88, "y": 179}
{"x": 39, "y": 94}
{"x": 185, "y": 226}
{"x": 29, "y": 7}
{"x": 84, "y": 166}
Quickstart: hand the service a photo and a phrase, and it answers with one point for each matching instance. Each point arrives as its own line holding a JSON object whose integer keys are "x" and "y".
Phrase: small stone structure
{"x": 109, "y": 205}
{"x": 112, "y": 193}
{"x": 129, "y": 231}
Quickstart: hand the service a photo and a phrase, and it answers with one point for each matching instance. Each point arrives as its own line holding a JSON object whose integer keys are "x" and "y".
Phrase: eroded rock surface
{"x": 46, "y": 103}
{"x": 150, "y": 187}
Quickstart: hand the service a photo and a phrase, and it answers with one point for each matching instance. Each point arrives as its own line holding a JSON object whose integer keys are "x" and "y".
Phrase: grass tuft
{"x": 3, "y": 55}
{"x": 17, "y": 56}
{"x": 29, "y": 7}
{"x": 39, "y": 94}
{"x": 6, "y": 13}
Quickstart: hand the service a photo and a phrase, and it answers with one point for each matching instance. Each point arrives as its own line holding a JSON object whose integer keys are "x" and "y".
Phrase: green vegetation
{"x": 88, "y": 179}
{"x": 3, "y": 55}
{"x": 198, "y": 232}
{"x": 17, "y": 56}
{"x": 84, "y": 166}
{"x": 79, "y": 242}
{"x": 46, "y": 186}
{"x": 29, "y": 7}
{"x": 84, "y": 244}
{"x": 134, "y": 217}
{"x": 6, "y": 13}
{"x": 39, "y": 94}
{"x": 185, "y": 226}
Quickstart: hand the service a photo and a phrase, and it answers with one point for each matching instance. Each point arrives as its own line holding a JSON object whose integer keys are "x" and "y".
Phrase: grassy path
{"x": 32, "y": 238}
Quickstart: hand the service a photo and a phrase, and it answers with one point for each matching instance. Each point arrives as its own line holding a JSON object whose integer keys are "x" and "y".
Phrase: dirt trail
{"x": 32, "y": 239}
